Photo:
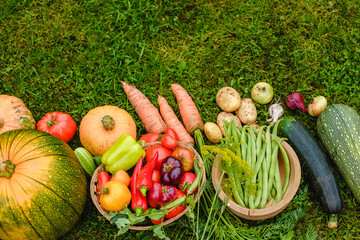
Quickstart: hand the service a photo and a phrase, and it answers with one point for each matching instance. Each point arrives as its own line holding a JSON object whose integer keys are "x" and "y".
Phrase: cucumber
{"x": 338, "y": 127}
{"x": 320, "y": 175}
{"x": 86, "y": 160}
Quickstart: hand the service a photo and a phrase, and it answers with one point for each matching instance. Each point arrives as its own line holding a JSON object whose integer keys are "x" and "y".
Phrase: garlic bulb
{"x": 275, "y": 112}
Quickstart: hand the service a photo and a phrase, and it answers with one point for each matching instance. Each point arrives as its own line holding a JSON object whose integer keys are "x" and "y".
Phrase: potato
{"x": 212, "y": 132}
{"x": 228, "y": 99}
{"x": 247, "y": 112}
{"x": 225, "y": 116}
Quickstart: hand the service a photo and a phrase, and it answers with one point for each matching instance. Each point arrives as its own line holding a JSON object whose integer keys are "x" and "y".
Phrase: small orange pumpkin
{"x": 102, "y": 126}
{"x": 14, "y": 114}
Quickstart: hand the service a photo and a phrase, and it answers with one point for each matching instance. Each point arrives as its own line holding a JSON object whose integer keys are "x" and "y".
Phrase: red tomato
{"x": 168, "y": 141}
{"x": 172, "y": 133}
{"x": 156, "y": 176}
{"x": 186, "y": 181}
{"x": 186, "y": 156}
{"x": 59, "y": 124}
{"x": 162, "y": 151}
{"x": 157, "y": 222}
{"x": 150, "y": 137}
{"x": 176, "y": 211}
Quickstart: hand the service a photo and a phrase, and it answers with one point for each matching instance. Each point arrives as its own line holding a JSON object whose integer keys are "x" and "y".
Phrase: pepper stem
{"x": 7, "y": 168}
{"x": 143, "y": 190}
{"x": 104, "y": 191}
{"x": 108, "y": 122}
{"x": 51, "y": 122}
{"x": 138, "y": 211}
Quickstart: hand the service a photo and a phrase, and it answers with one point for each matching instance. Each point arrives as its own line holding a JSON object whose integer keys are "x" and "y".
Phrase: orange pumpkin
{"x": 102, "y": 126}
{"x": 14, "y": 114}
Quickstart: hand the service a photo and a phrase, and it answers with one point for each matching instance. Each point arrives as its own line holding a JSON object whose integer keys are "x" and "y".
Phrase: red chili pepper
{"x": 156, "y": 176}
{"x": 103, "y": 178}
{"x": 138, "y": 201}
{"x": 144, "y": 181}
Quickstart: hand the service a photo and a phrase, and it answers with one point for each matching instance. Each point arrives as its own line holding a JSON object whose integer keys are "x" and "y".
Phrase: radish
{"x": 296, "y": 101}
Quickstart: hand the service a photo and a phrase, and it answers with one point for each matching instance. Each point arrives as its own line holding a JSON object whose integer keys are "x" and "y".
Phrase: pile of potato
{"x": 229, "y": 100}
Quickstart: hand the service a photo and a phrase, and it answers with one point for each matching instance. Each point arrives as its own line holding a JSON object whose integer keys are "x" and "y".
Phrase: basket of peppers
{"x": 166, "y": 180}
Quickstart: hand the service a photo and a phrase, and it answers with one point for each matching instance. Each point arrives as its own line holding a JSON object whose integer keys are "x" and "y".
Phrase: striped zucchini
{"x": 338, "y": 127}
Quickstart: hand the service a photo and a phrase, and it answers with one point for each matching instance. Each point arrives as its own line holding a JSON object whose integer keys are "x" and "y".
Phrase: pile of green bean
{"x": 260, "y": 151}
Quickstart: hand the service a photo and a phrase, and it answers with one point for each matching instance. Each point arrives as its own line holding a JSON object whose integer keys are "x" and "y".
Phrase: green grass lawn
{"x": 70, "y": 56}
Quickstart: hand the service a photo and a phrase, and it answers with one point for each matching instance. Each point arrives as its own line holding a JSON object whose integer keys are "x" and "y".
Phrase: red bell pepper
{"x": 144, "y": 181}
{"x": 138, "y": 201}
{"x": 103, "y": 178}
{"x": 59, "y": 124}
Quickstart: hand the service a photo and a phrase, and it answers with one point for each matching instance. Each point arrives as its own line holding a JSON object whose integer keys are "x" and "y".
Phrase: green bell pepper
{"x": 123, "y": 154}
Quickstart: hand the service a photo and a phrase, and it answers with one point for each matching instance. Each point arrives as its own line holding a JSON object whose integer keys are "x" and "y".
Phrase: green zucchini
{"x": 319, "y": 174}
{"x": 338, "y": 127}
{"x": 86, "y": 160}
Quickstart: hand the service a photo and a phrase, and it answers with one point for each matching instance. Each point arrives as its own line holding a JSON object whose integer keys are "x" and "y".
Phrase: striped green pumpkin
{"x": 42, "y": 186}
{"x": 338, "y": 127}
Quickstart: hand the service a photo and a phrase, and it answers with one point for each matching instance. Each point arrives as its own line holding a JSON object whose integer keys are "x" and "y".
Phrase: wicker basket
{"x": 93, "y": 184}
{"x": 269, "y": 211}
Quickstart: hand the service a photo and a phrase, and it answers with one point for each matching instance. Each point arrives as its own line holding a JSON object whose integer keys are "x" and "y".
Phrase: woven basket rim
{"x": 105, "y": 213}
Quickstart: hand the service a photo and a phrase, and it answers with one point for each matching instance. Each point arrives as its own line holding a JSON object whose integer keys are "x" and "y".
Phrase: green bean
{"x": 286, "y": 164}
{"x": 274, "y": 132}
{"x": 238, "y": 183}
{"x": 278, "y": 187}
{"x": 258, "y": 197}
{"x": 273, "y": 191}
{"x": 238, "y": 135}
{"x": 253, "y": 161}
{"x": 233, "y": 186}
{"x": 243, "y": 143}
{"x": 253, "y": 147}
{"x": 265, "y": 167}
{"x": 257, "y": 131}
{"x": 248, "y": 149}
{"x": 259, "y": 140}
{"x": 260, "y": 160}
{"x": 263, "y": 178}
{"x": 249, "y": 161}
{"x": 272, "y": 169}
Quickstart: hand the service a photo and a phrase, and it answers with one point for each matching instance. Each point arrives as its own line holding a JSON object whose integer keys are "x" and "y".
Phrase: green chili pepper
{"x": 123, "y": 154}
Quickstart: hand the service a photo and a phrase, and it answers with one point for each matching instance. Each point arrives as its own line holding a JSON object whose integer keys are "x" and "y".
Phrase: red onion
{"x": 296, "y": 101}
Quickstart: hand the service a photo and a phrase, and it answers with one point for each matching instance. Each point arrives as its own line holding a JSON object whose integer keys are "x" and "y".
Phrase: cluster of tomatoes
{"x": 168, "y": 175}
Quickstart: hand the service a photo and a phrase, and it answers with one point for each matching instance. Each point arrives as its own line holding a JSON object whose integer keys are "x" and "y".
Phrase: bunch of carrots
{"x": 156, "y": 121}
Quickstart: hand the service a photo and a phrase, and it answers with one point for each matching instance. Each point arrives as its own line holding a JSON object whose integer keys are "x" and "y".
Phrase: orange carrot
{"x": 173, "y": 122}
{"x": 146, "y": 111}
{"x": 188, "y": 110}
